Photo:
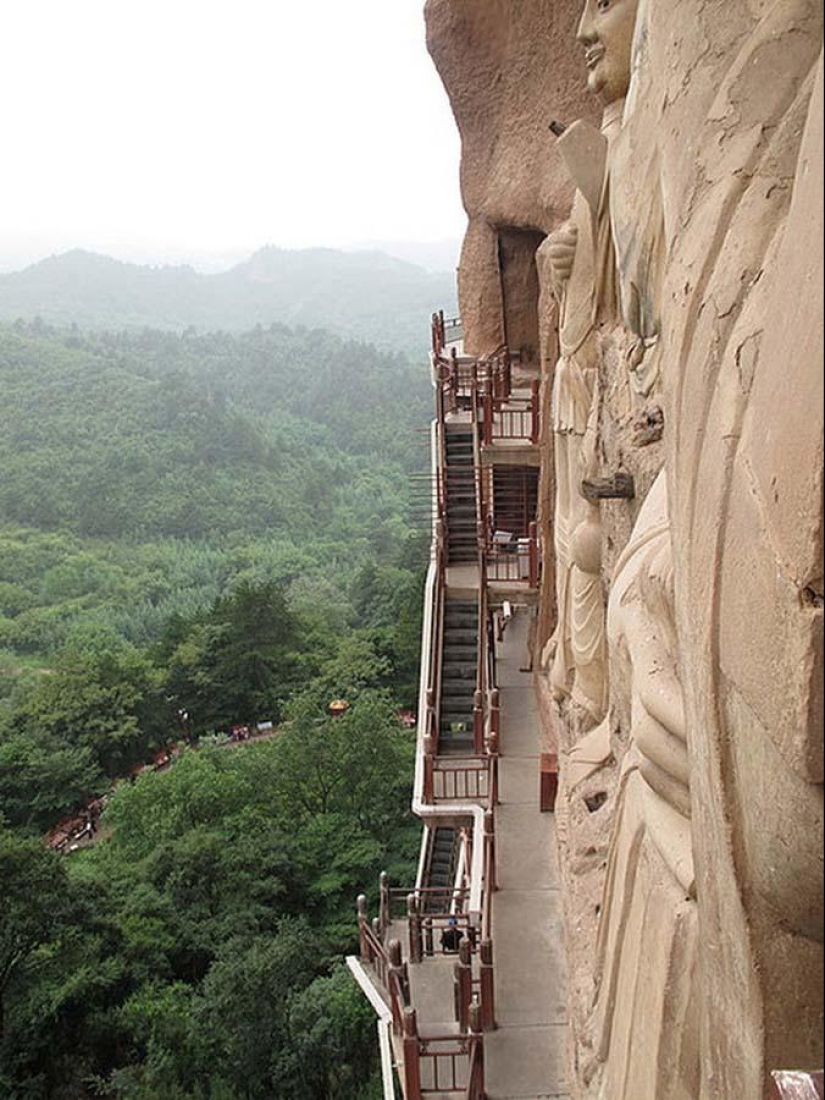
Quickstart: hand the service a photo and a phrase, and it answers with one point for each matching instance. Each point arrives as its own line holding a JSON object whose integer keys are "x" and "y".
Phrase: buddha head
{"x": 606, "y": 32}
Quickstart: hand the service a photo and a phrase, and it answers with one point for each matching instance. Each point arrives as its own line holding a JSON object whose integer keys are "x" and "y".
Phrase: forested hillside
{"x": 153, "y": 434}
{"x": 216, "y": 525}
{"x": 363, "y": 295}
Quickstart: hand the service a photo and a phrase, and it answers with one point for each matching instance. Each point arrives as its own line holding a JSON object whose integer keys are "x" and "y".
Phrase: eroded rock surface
{"x": 661, "y": 264}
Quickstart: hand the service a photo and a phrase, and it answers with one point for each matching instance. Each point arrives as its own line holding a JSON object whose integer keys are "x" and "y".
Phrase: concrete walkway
{"x": 525, "y": 1058}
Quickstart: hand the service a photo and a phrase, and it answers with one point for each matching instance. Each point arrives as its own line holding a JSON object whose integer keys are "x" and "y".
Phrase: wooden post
{"x": 412, "y": 1064}
{"x": 487, "y": 430}
{"x": 414, "y": 924}
{"x": 476, "y": 1082}
{"x": 363, "y": 925}
{"x": 534, "y": 412}
{"x": 430, "y": 728}
{"x": 488, "y": 1004}
{"x": 495, "y": 719}
{"x": 533, "y": 560}
{"x": 490, "y": 845}
{"x": 478, "y": 723}
{"x": 384, "y": 904}
{"x": 508, "y": 373}
{"x": 463, "y": 971}
{"x": 454, "y": 377}
{"x": 398, "y": 983}
{"x": 429, "y": 941}
{"x": 548, "y": 781}
{"x": 492, "y": 764}
{"x": 439, "y": 396}
{"x": 467, "y": 841}
{"x": 429, "y": 768}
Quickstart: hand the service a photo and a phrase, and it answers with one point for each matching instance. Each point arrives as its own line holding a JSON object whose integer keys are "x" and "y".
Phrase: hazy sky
{"x": 220, "y": 125}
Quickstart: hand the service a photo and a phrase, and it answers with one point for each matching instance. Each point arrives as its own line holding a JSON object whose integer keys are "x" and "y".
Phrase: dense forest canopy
{"x": 216, "y": 525}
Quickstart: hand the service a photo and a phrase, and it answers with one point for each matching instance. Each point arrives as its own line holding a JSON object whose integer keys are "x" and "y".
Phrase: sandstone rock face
{"x": 661, "y": 263}
{"x": 507, "y": 79}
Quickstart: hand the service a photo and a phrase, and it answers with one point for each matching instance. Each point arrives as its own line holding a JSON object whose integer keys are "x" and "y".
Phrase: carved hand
{"x": 561, "y": 251}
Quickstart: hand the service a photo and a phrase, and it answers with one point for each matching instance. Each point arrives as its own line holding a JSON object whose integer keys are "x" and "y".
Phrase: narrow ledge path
{"x": 526, "y": 1055}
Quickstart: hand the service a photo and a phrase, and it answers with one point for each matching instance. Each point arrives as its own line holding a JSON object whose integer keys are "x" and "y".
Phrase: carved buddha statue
{"x": 703, "y": 998}
{"x": 581, "y": 261}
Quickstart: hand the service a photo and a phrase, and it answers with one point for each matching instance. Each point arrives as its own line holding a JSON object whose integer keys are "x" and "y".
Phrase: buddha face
{"x": 606, "y": 32}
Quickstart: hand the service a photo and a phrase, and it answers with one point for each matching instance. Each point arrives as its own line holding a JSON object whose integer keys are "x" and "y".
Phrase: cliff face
{"x": 507, "y": 79}
{"x": 648, "y": 265}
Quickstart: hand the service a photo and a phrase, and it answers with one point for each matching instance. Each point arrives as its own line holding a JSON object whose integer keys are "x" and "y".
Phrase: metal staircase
{"x": 462, "y": 533}
{"x": 459, "y": 671}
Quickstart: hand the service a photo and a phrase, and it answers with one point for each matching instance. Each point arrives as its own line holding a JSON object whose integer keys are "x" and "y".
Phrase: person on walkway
{"x": 452, "y": 936}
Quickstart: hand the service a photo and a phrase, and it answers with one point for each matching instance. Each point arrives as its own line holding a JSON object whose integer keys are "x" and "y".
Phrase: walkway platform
{"x": 526, "y": 1056}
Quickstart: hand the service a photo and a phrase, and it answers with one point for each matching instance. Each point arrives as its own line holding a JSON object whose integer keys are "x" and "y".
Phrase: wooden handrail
{"x": 475, "y": 1084}
{"x": 433, "y": 695}
{"x": 448, "y": 1065}
{"x": 386, "y": 963}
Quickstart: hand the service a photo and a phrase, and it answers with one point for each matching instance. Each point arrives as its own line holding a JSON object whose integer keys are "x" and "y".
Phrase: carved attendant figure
{"x": 582, "y": 263}
{"x": 703, "y": 998}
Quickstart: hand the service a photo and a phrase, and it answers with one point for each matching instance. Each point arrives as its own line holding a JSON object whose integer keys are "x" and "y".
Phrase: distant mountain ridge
{"x": 368, "y": 296}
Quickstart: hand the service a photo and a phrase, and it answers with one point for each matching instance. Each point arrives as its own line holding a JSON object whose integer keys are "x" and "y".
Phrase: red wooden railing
{"x": 459, "y": 778}
{"x": 507, "y": 417}
{"x": 445, "y": 1065}
{"x": 520, "y": 562}
{"x": 394, "y": 900}
{"x": 386, "y": 962}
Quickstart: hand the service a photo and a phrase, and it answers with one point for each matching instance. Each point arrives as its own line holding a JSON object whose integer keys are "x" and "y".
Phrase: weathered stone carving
{"x": 649, "y": 919}
{"x": 744, "y": 326}
{"x": 580, "y": 258}
{"x": 688, "y": 278}
{"x": 577, "y": 651}
{"x": 758, "y": 946}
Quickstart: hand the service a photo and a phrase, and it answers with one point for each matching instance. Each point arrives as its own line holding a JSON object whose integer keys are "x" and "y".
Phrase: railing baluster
{"x": 412, "y": 1064}
{"x": 488, "y": 410}
{"x": 495, "y": 720}
{"x": 463, "y": 972}
{"x": 475, "y": 1082}
{"x": 414, "y": 926}
{"x": 478, "y": 721}
{"x": 488, "y": 1007}
{"x": 384, "y": 902}
{"x": 429, "y": 941}
{"x": 429, "y": 768}
{"x": 490, "y": 844}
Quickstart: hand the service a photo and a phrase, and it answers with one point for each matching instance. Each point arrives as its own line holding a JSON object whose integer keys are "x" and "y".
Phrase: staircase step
{"x": 464, "y": 632}
{"x": 458, "y": 670}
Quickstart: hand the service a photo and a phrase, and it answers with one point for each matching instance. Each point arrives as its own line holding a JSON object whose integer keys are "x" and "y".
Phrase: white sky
{"x": 198, "y": 126}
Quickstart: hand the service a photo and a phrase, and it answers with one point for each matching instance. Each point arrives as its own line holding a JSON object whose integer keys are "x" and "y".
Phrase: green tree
{"x": 35, "y": 903}
{"x": 41, "y": 779}
{"x": 242, "y": 661}
{"x": 98, "y": 699}
{"x": 352, "y": 764}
